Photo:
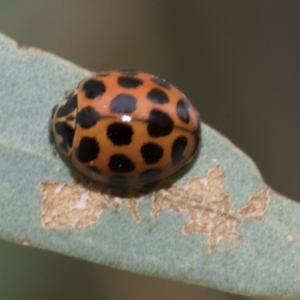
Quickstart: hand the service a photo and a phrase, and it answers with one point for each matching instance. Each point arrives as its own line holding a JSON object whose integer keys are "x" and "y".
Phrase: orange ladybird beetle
{"x": 126, "y": 128}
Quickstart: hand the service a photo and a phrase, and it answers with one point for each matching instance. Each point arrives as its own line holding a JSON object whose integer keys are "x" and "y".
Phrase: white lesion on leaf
{"x": 133, "y": 206}
{"x": 209, "y": 208}
{"x": 290, "y": 238}
{"x": 78, "y": 205}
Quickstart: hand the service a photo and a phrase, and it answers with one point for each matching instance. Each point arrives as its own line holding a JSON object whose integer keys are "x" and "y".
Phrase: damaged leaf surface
{"x": 218, "y": 226}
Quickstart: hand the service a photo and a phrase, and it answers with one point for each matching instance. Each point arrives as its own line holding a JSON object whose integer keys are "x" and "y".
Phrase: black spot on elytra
{"x": 152, "y": 153}
{"x": 129, "y": 82}
{"x": 178, "y": 148}
{"x": 123, "y": 103}
{"x": 182, "y": 109}
{"x": 88, "y": 117}
{"x": 68, "y": 107}
{"x": 158, "y": 96}
{"x": 119, "y": 133}
{"x": 120, "y": 163}
{"x": 159, "y": 123}
{"x": 117, "y": 180}
{"x": 150, "y": 175}
{"x": 93, "y": 88}
{"x": 161, "y": 82}
{"x": 88, "y": 149}
{"x": 128, "y": 72}
{"x": 67, "y": 133}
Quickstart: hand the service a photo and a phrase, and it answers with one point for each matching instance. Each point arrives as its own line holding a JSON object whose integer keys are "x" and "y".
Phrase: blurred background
{"x": 238, "y": 61}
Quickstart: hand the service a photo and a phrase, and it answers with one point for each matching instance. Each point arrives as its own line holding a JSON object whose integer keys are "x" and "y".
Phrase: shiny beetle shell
{"x": 126, "y": 128}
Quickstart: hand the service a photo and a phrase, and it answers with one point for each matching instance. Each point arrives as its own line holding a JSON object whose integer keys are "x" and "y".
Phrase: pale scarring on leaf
{"x": 78, "y": 206}
{"x": 209, "y": 208}
{"x": 290, "y": 238}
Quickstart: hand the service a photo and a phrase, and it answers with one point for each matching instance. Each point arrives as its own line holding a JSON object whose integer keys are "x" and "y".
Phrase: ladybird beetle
{"x": 126, "y": 128}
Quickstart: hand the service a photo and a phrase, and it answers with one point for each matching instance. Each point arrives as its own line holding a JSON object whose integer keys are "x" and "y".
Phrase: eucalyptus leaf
{"x": 219, "y": 225}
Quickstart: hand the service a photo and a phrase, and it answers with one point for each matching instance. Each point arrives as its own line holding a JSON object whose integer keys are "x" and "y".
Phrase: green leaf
{"x": 219, "y": 225}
